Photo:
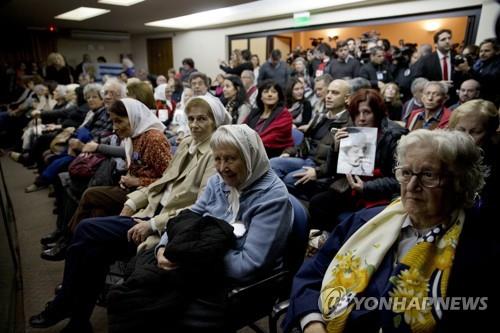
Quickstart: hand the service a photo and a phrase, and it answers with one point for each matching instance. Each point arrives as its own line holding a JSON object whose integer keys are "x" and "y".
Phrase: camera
{"x": 460, "y": 59}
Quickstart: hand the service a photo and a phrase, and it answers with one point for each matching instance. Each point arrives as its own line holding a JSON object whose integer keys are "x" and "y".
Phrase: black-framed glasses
{"x": 426, "y": 178}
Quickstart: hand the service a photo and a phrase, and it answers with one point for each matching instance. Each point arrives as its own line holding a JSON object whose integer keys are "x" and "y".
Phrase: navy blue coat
{"x": 472, "y": 275}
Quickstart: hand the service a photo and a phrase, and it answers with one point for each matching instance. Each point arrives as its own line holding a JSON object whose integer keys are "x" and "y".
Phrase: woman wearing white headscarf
{"x": 147, "y": 154}
{"x": 247, "y": 194}
{"x": 98, "y": 242}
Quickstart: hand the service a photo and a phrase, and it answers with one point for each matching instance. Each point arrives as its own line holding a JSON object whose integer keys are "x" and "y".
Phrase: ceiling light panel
{"x": 82, "y": 13}
{"x": 120, "y": 2}
{"x": 248, "y": 11}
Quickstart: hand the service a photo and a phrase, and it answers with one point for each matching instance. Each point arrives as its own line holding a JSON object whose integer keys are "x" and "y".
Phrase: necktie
{"x": 445, "y": 68}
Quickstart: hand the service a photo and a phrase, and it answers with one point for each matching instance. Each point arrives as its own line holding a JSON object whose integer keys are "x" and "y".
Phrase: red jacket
{"x": 443, "y": 121}
{"x": 276, "y": 134}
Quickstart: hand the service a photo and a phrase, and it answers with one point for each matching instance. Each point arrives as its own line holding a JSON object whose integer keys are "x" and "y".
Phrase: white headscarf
{"x": 141, "y": 120}
{"x": 256, "y": 161}
{"x": 159, "y": 93}
{"x": 221, "y": 116}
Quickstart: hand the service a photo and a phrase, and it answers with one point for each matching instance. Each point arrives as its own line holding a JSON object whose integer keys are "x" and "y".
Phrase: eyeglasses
{"x": 426, "y": 178}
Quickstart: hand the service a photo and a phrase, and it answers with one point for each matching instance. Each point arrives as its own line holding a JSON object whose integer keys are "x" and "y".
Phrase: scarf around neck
{"x": 257, "y": 164}
{"x": 425, "y": 266}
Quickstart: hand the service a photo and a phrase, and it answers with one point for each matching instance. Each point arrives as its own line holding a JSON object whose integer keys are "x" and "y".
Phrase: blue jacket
{"x": 267, "y": 214}
{"x": 477, "y": 249}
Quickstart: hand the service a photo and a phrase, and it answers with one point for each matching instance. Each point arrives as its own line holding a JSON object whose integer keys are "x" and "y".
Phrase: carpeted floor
{"x": 34, "y": 218}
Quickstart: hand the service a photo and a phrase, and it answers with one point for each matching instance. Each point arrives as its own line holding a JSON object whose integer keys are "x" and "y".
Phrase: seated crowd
{"x": 183, "y": 179}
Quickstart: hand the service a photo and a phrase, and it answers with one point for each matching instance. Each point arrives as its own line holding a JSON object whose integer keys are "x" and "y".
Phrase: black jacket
{"x": 387, "y": 186}
{"x": 369, "y": 71}
{"x": 152, "y": 297}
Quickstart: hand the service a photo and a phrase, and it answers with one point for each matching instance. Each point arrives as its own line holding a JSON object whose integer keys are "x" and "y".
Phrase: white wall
{"x": 207, "y": 46}
{"x": 74, "y": 49}
{"x": 489, "y": 14}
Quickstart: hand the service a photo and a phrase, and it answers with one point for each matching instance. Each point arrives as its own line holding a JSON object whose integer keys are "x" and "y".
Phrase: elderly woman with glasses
{"x": 387, "y": 269}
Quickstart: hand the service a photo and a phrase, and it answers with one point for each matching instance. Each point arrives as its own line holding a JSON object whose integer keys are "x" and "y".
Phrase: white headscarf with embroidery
{"x": 141, "y": 120}
{"x": 221, "y": 116}
{"x": 257, "y": 164}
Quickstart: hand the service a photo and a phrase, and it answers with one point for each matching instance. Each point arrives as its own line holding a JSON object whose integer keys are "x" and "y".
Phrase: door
{"x": 160, "y": 58}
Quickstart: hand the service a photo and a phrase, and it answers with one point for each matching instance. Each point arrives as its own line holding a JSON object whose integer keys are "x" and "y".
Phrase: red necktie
{"x": 445, "y": 68}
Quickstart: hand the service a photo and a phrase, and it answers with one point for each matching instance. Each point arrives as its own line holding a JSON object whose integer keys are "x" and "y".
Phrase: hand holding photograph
{"x": 357, "y": 151}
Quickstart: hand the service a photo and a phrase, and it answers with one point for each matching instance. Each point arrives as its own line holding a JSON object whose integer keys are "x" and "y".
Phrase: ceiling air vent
{"x": 99, "y": 35}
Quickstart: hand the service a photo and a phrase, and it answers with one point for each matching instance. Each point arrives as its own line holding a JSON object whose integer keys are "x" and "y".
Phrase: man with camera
{"x": 486, "y": 70}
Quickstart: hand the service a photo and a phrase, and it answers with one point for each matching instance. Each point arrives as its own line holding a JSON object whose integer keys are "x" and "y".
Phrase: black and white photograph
{"x": 357, "y": 151}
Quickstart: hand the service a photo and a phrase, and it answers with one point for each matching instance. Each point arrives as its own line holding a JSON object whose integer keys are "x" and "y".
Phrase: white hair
{"x": 116, "y": 85}
{"x": 458, "y": 153}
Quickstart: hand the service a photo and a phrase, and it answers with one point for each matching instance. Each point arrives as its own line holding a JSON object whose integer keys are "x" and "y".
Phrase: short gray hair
{"x": 61, "y": 89}
{"x": 93, "y": 88}
{"x": 442, "y": 87}
{"x": 359, "y": 83}
{"x": 418, "y": 84}
{"x": 222, "y": 137}
{"x": 327, "y": 78}
{"x": 116, "y": 85}
{"x": 458, "y": 152}
{"x": 250, "y": 73}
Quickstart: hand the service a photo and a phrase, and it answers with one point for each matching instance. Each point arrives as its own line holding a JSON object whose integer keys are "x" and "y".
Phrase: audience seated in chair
{"x": 147, "y": 153}
{"x": 427, "y": 238}
{"x": 303, "y": 168}
{"x": 271, "y": 119}
{"x": 98, "y": 242}
{"x": 348, "y": 192}
{"x": 245, "y": 194}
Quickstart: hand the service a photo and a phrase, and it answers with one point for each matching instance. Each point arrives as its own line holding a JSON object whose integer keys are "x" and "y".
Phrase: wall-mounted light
{"x": 332, "y": 33}
{"x": 431, "y": 25}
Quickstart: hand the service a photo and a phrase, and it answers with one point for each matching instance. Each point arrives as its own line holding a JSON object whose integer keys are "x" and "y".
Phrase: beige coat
{"x": 187, "y": 186}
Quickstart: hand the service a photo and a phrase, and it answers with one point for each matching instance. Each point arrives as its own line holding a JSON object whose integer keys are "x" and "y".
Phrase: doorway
{"x": 160, "y": 58}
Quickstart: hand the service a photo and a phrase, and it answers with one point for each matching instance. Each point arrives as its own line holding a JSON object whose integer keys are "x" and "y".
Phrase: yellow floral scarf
{"x": 426, "y": 264}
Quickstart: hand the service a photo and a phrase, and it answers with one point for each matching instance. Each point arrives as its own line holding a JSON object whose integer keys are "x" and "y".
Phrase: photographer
{"x": 403, "y": 62}
{"x": 486, "y": 70}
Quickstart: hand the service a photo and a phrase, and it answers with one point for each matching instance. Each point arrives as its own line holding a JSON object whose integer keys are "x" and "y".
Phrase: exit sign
{"x": 303, "y": 18}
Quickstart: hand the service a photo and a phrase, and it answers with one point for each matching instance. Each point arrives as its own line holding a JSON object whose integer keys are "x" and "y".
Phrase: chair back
{"x": 247, "y": 304}
{"x": 297, "y": 241}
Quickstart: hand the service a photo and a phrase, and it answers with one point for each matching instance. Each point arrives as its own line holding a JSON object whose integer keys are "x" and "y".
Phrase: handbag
{"x": 60, "y": 143}
{"x": 105, "y": 174}
{"x": 85, "y": 165}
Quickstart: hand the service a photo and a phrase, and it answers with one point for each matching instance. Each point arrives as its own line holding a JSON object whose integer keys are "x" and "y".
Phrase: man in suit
{"x": 440, "y": 65}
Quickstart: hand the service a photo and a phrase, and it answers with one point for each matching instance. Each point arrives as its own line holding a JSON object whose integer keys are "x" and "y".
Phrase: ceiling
{"x": 36, "y": 14}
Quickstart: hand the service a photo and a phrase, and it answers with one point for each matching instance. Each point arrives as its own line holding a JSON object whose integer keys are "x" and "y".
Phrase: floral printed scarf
{"x": 422, "y": 273}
